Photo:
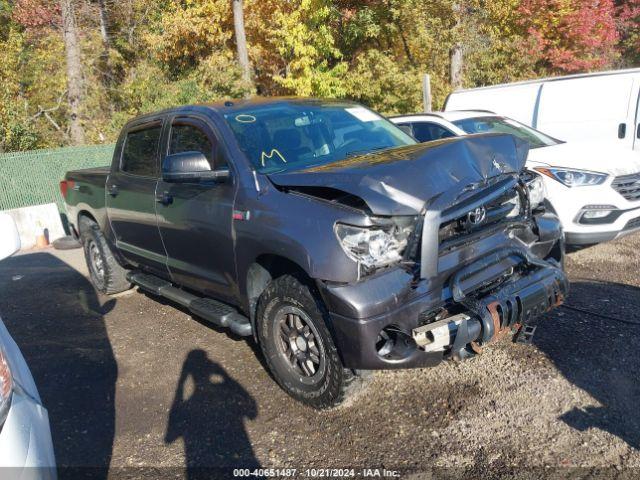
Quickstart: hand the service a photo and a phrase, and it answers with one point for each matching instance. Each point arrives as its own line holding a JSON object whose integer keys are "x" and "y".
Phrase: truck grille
{"x": 506, "y": 207}
{"x": 628, "y": 186}
{"x": 450, "y": 221}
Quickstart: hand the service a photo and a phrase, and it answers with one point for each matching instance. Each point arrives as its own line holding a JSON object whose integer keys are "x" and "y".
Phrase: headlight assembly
{"x": 537, "y": 191}
{"x": 373, "y": 247}
{"x": 6, "y": 387}
{"x": 573, "y": 178}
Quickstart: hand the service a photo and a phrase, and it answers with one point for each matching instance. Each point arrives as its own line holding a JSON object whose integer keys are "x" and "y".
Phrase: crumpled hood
{"x": 400, "y": 181}
{"x": 594, "y": 156}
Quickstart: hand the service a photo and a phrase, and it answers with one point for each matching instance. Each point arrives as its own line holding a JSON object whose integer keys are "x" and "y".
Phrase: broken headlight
{"x": 373, "y": 247}
{"x": 537, "y": 191}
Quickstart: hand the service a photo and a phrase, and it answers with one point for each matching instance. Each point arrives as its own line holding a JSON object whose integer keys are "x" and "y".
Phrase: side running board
{"x": 216, "y": 312}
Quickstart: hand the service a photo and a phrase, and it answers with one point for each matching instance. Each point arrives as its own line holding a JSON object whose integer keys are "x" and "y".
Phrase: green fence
{"x": 32, "y": 178}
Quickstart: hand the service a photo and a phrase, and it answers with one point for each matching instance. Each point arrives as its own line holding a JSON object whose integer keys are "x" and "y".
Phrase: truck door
{"x": 130, "y": 198}
{"x": 195, "y": 217}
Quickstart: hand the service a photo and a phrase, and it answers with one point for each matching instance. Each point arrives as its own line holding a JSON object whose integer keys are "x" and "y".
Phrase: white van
{"x": 597, "y": 107}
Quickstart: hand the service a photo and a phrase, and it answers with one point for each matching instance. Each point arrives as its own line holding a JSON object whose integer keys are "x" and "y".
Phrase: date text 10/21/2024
{"x": 317, "y": 472}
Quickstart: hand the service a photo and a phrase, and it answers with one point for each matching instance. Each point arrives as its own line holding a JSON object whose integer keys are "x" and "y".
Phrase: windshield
{"x": 535, "y": 138}
{"x": 280, "y": 137}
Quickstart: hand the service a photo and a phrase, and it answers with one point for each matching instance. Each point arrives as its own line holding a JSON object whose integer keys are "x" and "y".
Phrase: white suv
{"x": 594, "y": 189}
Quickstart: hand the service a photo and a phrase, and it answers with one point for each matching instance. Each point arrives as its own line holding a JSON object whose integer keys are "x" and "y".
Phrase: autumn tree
{"x": 241, "y": 39}
{"x": 570, "y": 35}
{"x": 74, "y": 71}
{"x": 35, "y": 14}
{"x": 16, "y": 129}
{"x": 456, "y": 52}
{"x": 628, "y": 19}
{"x": 310, "y": 63}
{"x": 109, "y": 60}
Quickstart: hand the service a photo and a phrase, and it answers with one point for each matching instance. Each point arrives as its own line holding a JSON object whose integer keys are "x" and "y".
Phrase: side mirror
{"x": 9, "y": 238}
{"x": 189, "y": 167}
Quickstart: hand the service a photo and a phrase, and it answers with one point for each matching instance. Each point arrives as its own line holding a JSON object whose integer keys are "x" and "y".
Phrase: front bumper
{"x": 514, "y": 305}
{"x": 570, "y": 203}
{"x": 395, "y": 300}
{"x": 26, "y": 449}
{"x": 592, "y": 237}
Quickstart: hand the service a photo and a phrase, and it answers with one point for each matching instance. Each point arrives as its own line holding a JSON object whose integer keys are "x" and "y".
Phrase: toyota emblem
{"x": 477, "y": 216}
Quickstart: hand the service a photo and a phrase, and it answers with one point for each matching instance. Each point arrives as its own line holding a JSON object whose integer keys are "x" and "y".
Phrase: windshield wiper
{"x": 366, "y": 151}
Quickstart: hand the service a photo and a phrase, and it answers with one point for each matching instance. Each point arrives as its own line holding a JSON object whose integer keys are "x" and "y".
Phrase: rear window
{"x": 140, "y": 153}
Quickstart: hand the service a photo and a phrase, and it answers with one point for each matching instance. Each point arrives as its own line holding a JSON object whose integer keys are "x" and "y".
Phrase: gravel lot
{"x": 134, "y": 382}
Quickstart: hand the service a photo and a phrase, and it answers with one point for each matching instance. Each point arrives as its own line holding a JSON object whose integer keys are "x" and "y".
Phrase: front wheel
{"x": 298, "y": 347}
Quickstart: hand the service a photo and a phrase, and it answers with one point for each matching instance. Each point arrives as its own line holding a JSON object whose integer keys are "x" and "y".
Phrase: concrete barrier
{"x": 35, "y": 221}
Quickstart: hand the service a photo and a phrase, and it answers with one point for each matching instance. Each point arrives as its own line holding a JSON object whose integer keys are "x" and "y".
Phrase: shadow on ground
{"x": 56, "y": 318}
{"x": 599, "y": 355}
{"x": 208, "y": 413}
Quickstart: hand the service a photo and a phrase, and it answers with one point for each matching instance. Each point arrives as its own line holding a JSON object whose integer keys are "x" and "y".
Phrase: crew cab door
{"x": 130, "y": 197}
{"x": 195, "y": 216}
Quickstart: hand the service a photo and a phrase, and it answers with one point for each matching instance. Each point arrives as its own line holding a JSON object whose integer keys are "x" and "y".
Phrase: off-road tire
{"x": 114, "y": 277}
{"x": 334, "y": 383}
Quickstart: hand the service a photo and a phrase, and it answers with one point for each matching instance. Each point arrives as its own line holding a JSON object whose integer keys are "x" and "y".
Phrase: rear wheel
{"x": 298, "y": 347}
{"x": 105, "y": 272}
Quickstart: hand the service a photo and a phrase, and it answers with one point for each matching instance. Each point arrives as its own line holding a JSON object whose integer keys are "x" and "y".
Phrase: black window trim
{"x": 157, "y": 122}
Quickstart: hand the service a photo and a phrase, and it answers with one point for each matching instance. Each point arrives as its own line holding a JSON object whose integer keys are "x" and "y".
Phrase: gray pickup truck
{"x": 325, "y": 232}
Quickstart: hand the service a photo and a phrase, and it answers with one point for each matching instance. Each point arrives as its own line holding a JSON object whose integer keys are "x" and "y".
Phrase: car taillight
{"x": 6, "y": 387}
{"x": 65, "y": 185}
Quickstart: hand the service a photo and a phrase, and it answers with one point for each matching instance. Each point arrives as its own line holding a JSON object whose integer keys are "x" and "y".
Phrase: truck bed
{"x": 86, "y": 191}
{"x": 90, "y": 175}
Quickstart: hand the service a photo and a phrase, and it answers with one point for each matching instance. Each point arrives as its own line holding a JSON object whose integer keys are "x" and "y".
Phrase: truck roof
{"x": 553, "y": 79}
{"x": 236, "y": 104}
{"x": 230, "y": 105}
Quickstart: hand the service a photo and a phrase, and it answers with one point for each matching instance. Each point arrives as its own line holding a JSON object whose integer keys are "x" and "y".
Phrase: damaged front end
{"x": 504, "y": 289}
{"x": 531, "y": 287}
{"x": 477, "y": 263}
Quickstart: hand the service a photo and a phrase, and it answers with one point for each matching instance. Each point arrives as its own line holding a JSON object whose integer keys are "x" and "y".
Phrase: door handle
{"x": 113, "y": 190}
{"x": 164, "y": 198}
{"x": 638, "y": 131}
{"x": 622, "y": 130}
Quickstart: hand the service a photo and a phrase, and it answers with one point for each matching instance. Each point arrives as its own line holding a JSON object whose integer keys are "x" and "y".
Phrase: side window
{"x": 427, "y": 132}
{"x": 406, "y": 128}
{"x": 187, "y": 137}
{"x": 140, "y": 152}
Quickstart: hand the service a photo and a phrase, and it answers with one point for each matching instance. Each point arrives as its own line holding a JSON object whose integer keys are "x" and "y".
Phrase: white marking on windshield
{"x": 268, "y": 156}
{"x": 245, "y": 118}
